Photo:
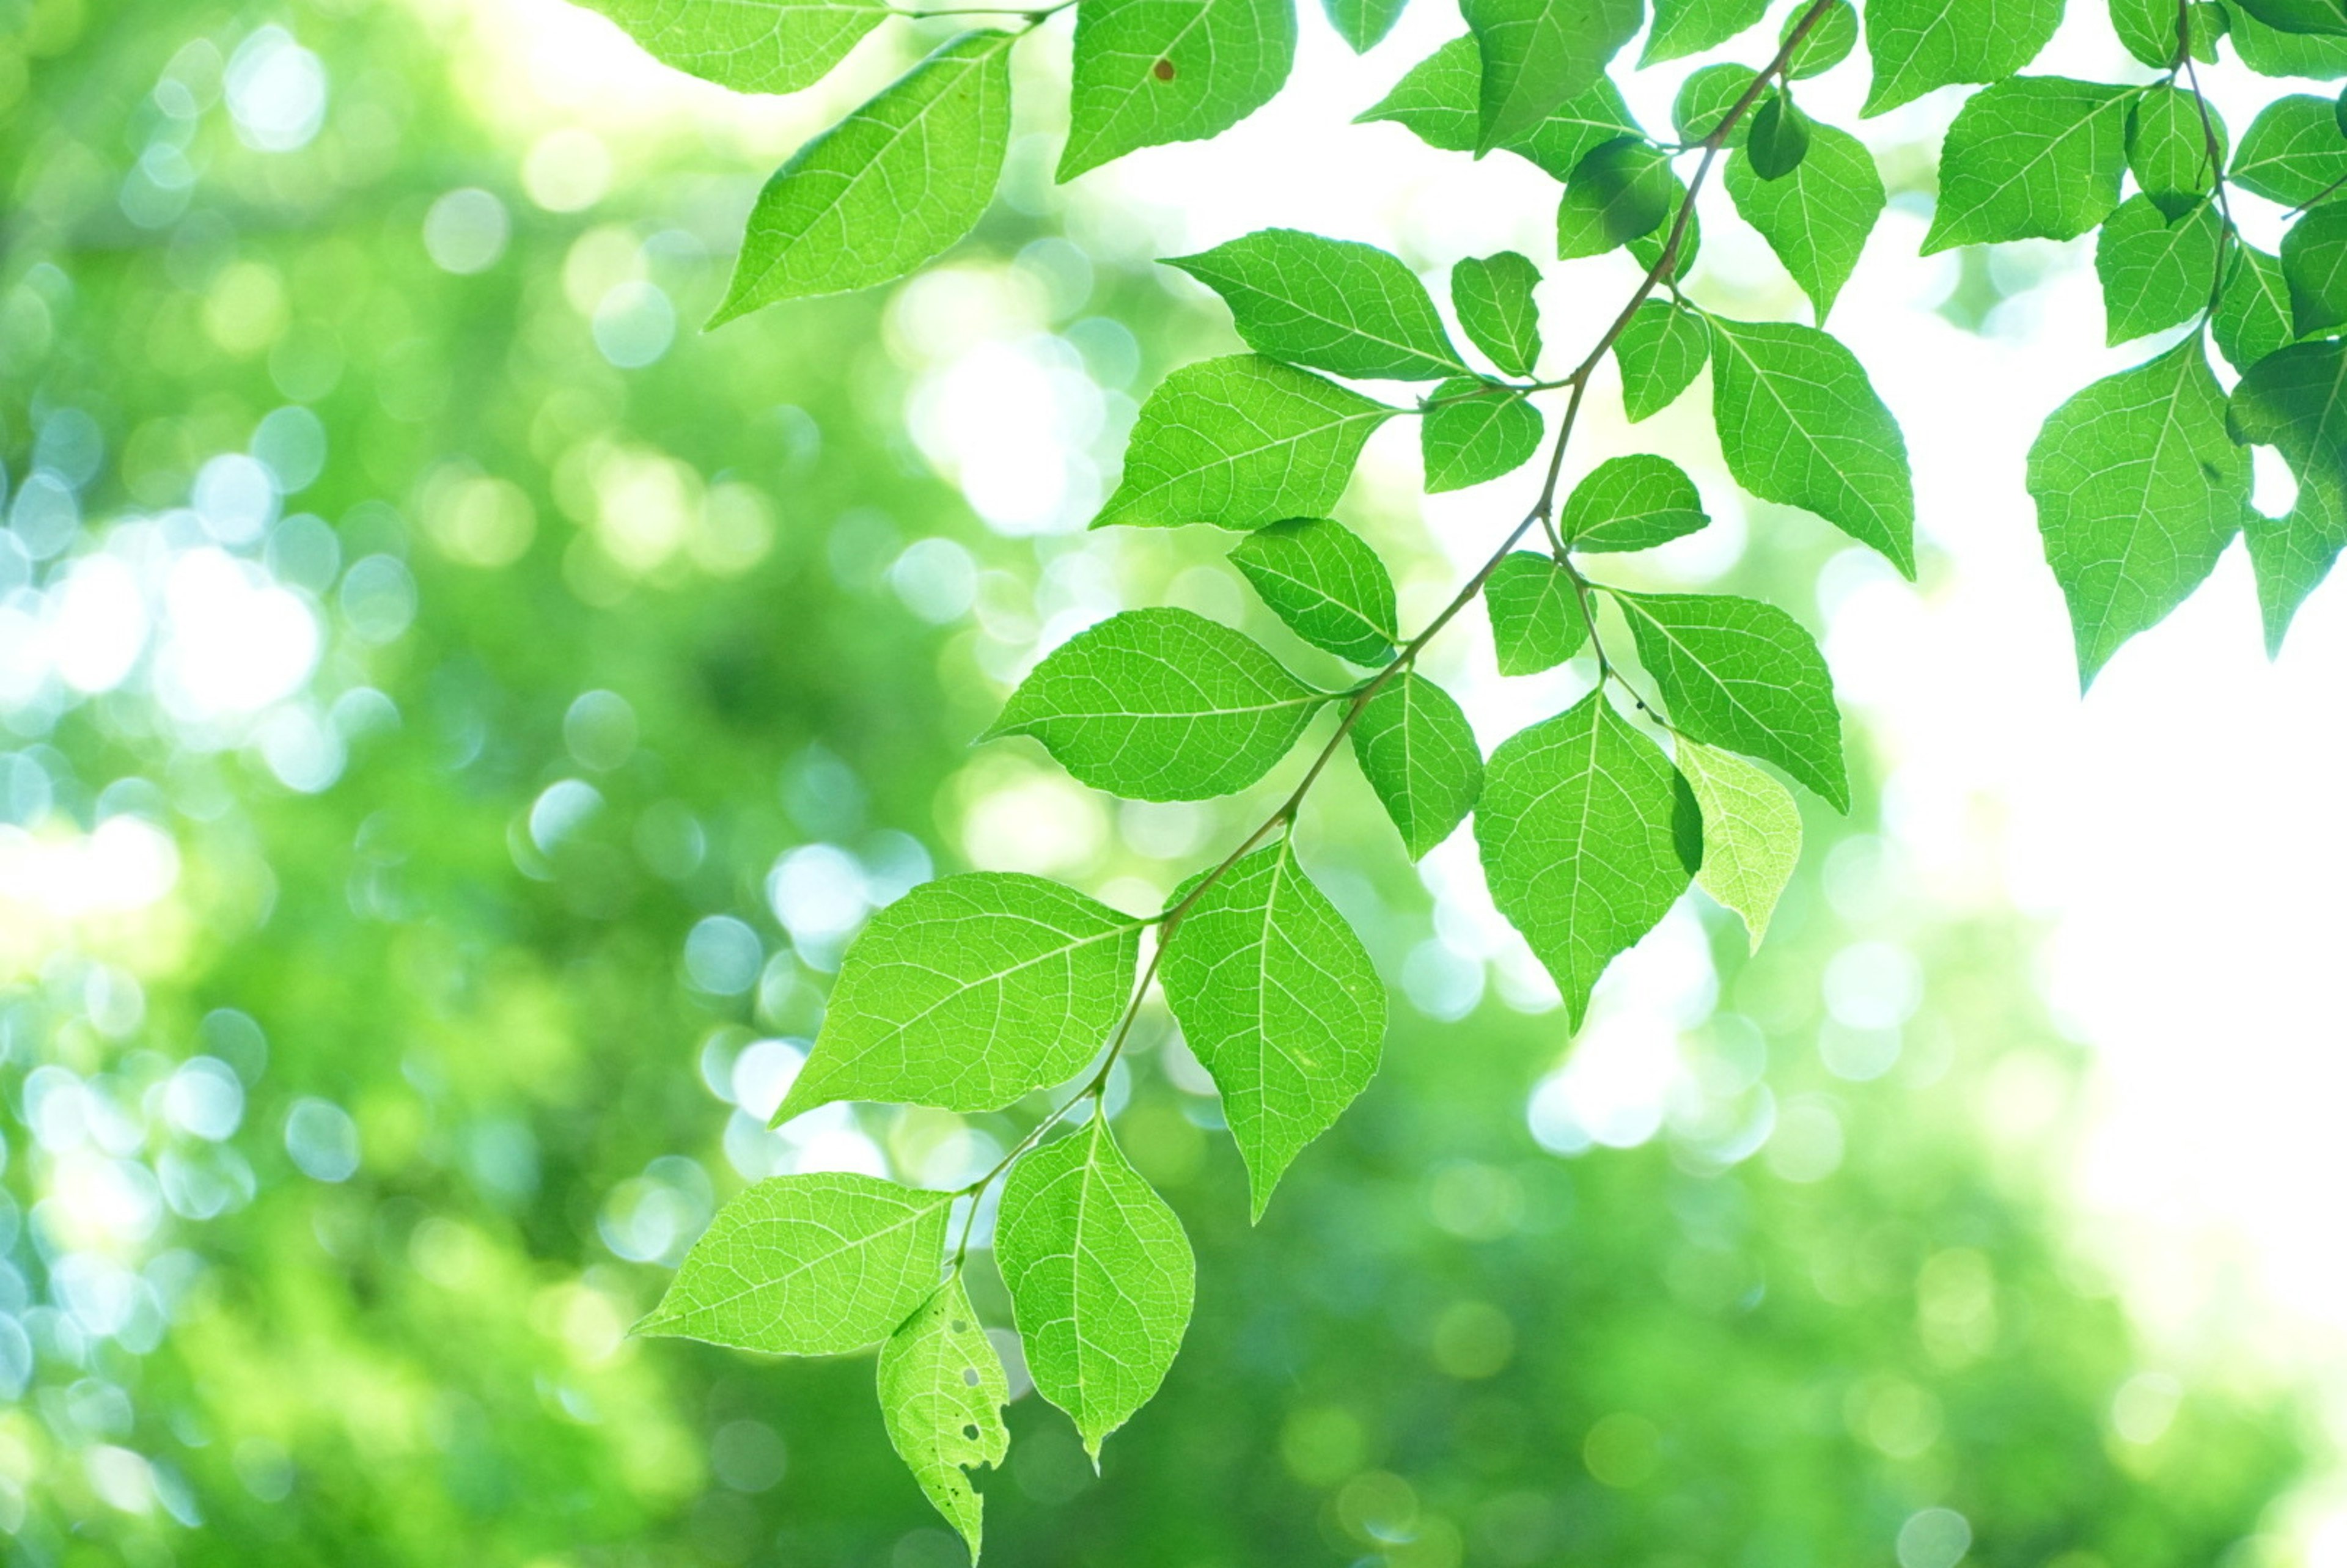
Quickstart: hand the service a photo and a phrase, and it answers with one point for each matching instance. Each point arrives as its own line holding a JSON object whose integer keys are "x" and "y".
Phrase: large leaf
{"x": 1418, "y": 753}
{"x": 1799, "y": 425}
{"x": 1100, "y": 1275}
{"x": 891, "y": 186}
{"x": 2155, "y": 274}
{"x": 1239, "y": 442}
{"x": 1538, "y": 621}
{"x": 1279, "y": 1002}
{"x": 1148, "y": 72}
{"x": 1588, "y": 836}
{"x": 1328, "y": 586}
{"x": 2296, "y": 401}
{"x": 1537, "y": 53}
{"x": 1751, "y": 833}
{"x": 1631, "y": 503}
{"x": 1660, "y": 354}
{"x": 942, "y": 1391}
{"x": 969, "y": 992}
{"x": 1336, "y": 306}
{"x": 2030, "y": 158}
{"x": 1472, "y": 433}
{"x": 807, "y": 1266}
{"x": 1493, "y": 297}
{"x": 1684, "y": 27}
{"x": 749, "y": 46}
{"x": 1919, "y": 45}
{"x": 1818, "y": 216}
{"x": 2138, "y": 490}
{"x": 1162, "y": 704}
{"x": 2292, "y": 152}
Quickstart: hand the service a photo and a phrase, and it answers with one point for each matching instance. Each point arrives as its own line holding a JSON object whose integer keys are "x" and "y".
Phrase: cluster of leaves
{"x": 977, "y": 990}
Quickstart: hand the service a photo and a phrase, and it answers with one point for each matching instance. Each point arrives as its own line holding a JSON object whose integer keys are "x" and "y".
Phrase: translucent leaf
{"x": 1537, "y": 619}
{"x": 2314, "y": 265}
{"x": 1100, "y": 1275}
{"x": 2155, "y": 274}
{"x": 1493, "y": 297}
{"x": 2270, "y": 52}
{"x": 1279, "y": 1002}
{"x": 942, "y": 1391}
{"x": 2030, "y": 158}
{"x": 1919, "y": 45}
{"x": 1659, "y": 353}
{"x": 1418, "y": 753}
{"x": 1705, "y": 98}
{"x": 1537, "y": 53}
{"x": 2148, "y": 29}
{"x": 2252, "y": 318}
{"x": 815, "y": 1264}
{"x": 2291, "y": 555}
{"x": 1148, "y": 72}
{"x": 1438, "y": 100}
{"x": 1363, "y": 24}
{"x": 1684, "y": 27}
{"x": 2295, "y": 401}
{"x": 1328, "y": 586}
{"x": 1473, "y": 432}
{"x": 1817, "y": 219}
{"x": 2323, "y": 17}
{"x": 1751, "y": 833}
{"x": 893, "y": 185}
{"x": 969, "y": 992}
{"x": 1631, "y": 503}
{"x": 2167, "y": 148}
{"x": 1239, "y": 442}
{"x": 749, "y": 46}
{"x": 2292, "y": 152}
{"x": 1330, "y": 304}
{"x": 1828, "y": 43}
{"x": 1621, "y": 191}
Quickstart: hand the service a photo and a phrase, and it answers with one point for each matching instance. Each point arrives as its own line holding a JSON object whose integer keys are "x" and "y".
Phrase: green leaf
{"x": 2148, "y": 30}
{"x": 1279, "y": 1002}
{"x": 1330, "y": 304}
{"x": 2253, "y": 319}
{"x": 1537, "y": 619}
{"x": 1100, "y": 1275}
{"x": 1751, "y": 833}
{"x": 2314, "y": 265}
{"x": 750, "y": 45}
{"x": 1744, "y": 675}
{"x": 1920, "y": 45}
{"x": 2030, "y": 158}
{"x": 815, "y": 1264}
{"x": 1418, "y": 753}
{"x": 1363, "y": 24}
{"x": 1646, "y": 249}
{"x": 2291, "y": 555}
{"x": 1328, "y": 585}
{"x": 1631, "y": 502}
{"x": 1438, "y": 101}
{"x": 1684, "y": 27}
{"x": 942, "y": 1391}
{"x": 893, "y": 185}
{"x": 1829, "y": 43}
{"x": 1473, "y": 432}
{"x": 2292, "y": 152}
{"x": 2167, "y": 149}
{"x": 1659, "y": 353}
{"x": 2270, "y": 52}
{"x": 1588, "y": 836}
{"x": 1239, "y": 442}
{"x": 1705, "y": 98}
{"x": 1817, "y": 219}
{"x": 1538, "y": 54}
{"x": 1147, "y": 72}
{"x": 2138, "y": 490}
{"x": 1799, "y": 425}
{"x": 1621, "y": 191}
{"x": 969, "y": 992}
{"x": 2155, "y": 274}
{"x": 1493, "y": 297}
{"x": 1162, "y": 704}
{"x": 2324, "y": 17}
{"x": 1779, "y": 138}
{"x": 2296, "y": 401}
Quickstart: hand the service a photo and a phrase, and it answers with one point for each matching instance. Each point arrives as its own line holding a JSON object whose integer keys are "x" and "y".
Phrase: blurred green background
{"x": 452, "y": 714}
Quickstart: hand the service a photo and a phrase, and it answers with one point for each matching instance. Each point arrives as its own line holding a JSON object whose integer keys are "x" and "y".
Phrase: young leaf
{"x": 2168, "y": 147}
{"x": 1744, "y": 675}
{"x": 942, "y": 1389}
{"x": 1418, "y": 753}
{"x": 2290, "y": 555}
{"x": 1328, "y": 304}
{"x": 1631, "y": 503}
{"x": 1705, "y": 98}
{"x": 1817, "y": 219}
{"x": 1684, "y": 27}
{"x": 1751, "y": 833}
{"x": 1329, "y": 587}
{"x": 2252, "y": 318}
{"x": 893, "y": 184}
{"x": 1830, "y": 41}
{"x": 1537, "y": 619}
{"x": 1147, "y": 72}
{"x": 2314, "y": 263}
{"x": 1799, "y": 425}
{"x": 1363, "y": 24}
{"x": 1659, "y": 353}
{"x": 1438, "y": 100}
{"x": 2138, "y": 490}
{"x": 2270, "y": 52}
{"x": 1588, "y": 837}
{"x": 817, "y": 1265}
{"x": 2030, "y": 158}
{"x": 1239, "y": 442}
{"x": 1779, "y": 138}
{"x": 1920, "y": 45}
{"x": 752, "y": 46}
{"x": 1493, "y": 297}
{"x": 1473, "y": 432}
{"x": 1100, "y": 1276}
{"x": 2155, "y": 274}
{"x": 2292, "y": 152}
{"x": 1162, "y": 704}
{"x": 1621, "y": 191}
{"x": 1281, "y": 1005}
{"x": 1537, "y": 53}
{"x": 969, "y": 992}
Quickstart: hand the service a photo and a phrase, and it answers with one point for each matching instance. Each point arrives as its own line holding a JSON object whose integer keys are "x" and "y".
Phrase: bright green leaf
{"x": 2292, "y": 152}
{"x": 1751, "y": 833}
{"x": 1473, "y": 432}
{"x": 2155, "y": 274}
{"x": 1418, "y": 753}
{"x": 1684, "y": 27}
{"x": 1621, "y": 191}
{"x": 1829, "y": 43}
{"x": 2314, "y": 265}
{"x": 1631, "y": 503}
{"x": 1330, "y": 304}
{"x": 1493, "y": 297}
{"x": 2149, "y": 29}
{"x": 1363, "y": 24}
{"x": 1148, "y": 72}
{"x": 2270, "y": 52}
{"x": 1817, "y": 219}
{"x": 1326, "y": 583}
{"x": 749, "y": 46}
{"x": 2167, "y": 148}
{"x": 2030, "y": 158}
{"x": 942, "y": 1391}
{"x": 1537, "y": 619}
{"x": 1538, "y": 54}
{"x": 2253, "y": 319}
{"x": 1438, "y": 100}
{"x": 1920, "y": 45}
{"x": 2291, "y": 555}
{"x": 1707, "y": 98}
{"x": 2323, "y": 17}
{"x": 2295, "y": 401}
{"x": 1660, "y": 353}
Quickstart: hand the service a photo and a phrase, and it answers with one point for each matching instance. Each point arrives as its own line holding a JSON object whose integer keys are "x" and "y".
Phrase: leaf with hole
{"x": 942, "y": 1391}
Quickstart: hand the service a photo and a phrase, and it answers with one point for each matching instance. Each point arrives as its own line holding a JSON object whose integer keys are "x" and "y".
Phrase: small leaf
{"x": 1537, "y": 619}
{"x": 1751, "y": 833}
{"x": 1659, "y": 353}
{"x": 1162, "y": 704}
{"x": 1744, "y": 675}
{"x": 815, "y": 1264}
{"x": 2270, "y": 52}
{"x": 1799, "y": 425}
{"x": 1363, "y": 24}
{"x": 1831, "y": 39}
{"x": 751, "y": 46}
{"x": 1438, "y": 100}
{"x": 1780, "y": 138}
{"x": 1588, "y": 836}
{"x": 1621, "y": 191}
{"x": 1328, "y": 304}
{"x": 1537, "y": 53}
{"x": 1473, "y": 432}
{"x": 2138, "y": 490}
{"x": 2314, "y": 265}
{"x": 1418, "y": 753}
{"x": 969, "y": 992}
{"x": 2030, "y": 158}
{"x": 2253, "y": 319}
{"x": 1817, "y": 218}
{"x": 893, "y": 185}
{"x": 1239, "y": 442}
{"x": 942, "y": 1391}
{"x": 1100, "y": 1276}
{"x": 2149, "y": 29}
{"x": 1646, "y": 249}
{"x": 2155, "y": 274}
{"x": 1149, "y": 72}
{"x": 2291, "y": 555}
{"x": 1279, "y": 1002}
{"x": 2292, "y": 152}
{"x": 1493, "y": 297}
{"x": 2167, "y": 148}
{"x": 1631, "y": 502}
{"x": 1705, "y": 98}
{"x": 1920, "y": 45}
{"x": 1684, "y": 27}
{"x": 1328, "y": 586}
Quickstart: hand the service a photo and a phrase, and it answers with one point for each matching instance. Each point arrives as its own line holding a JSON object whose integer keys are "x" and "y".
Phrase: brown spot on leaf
{"x": 1162, "y": 70}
